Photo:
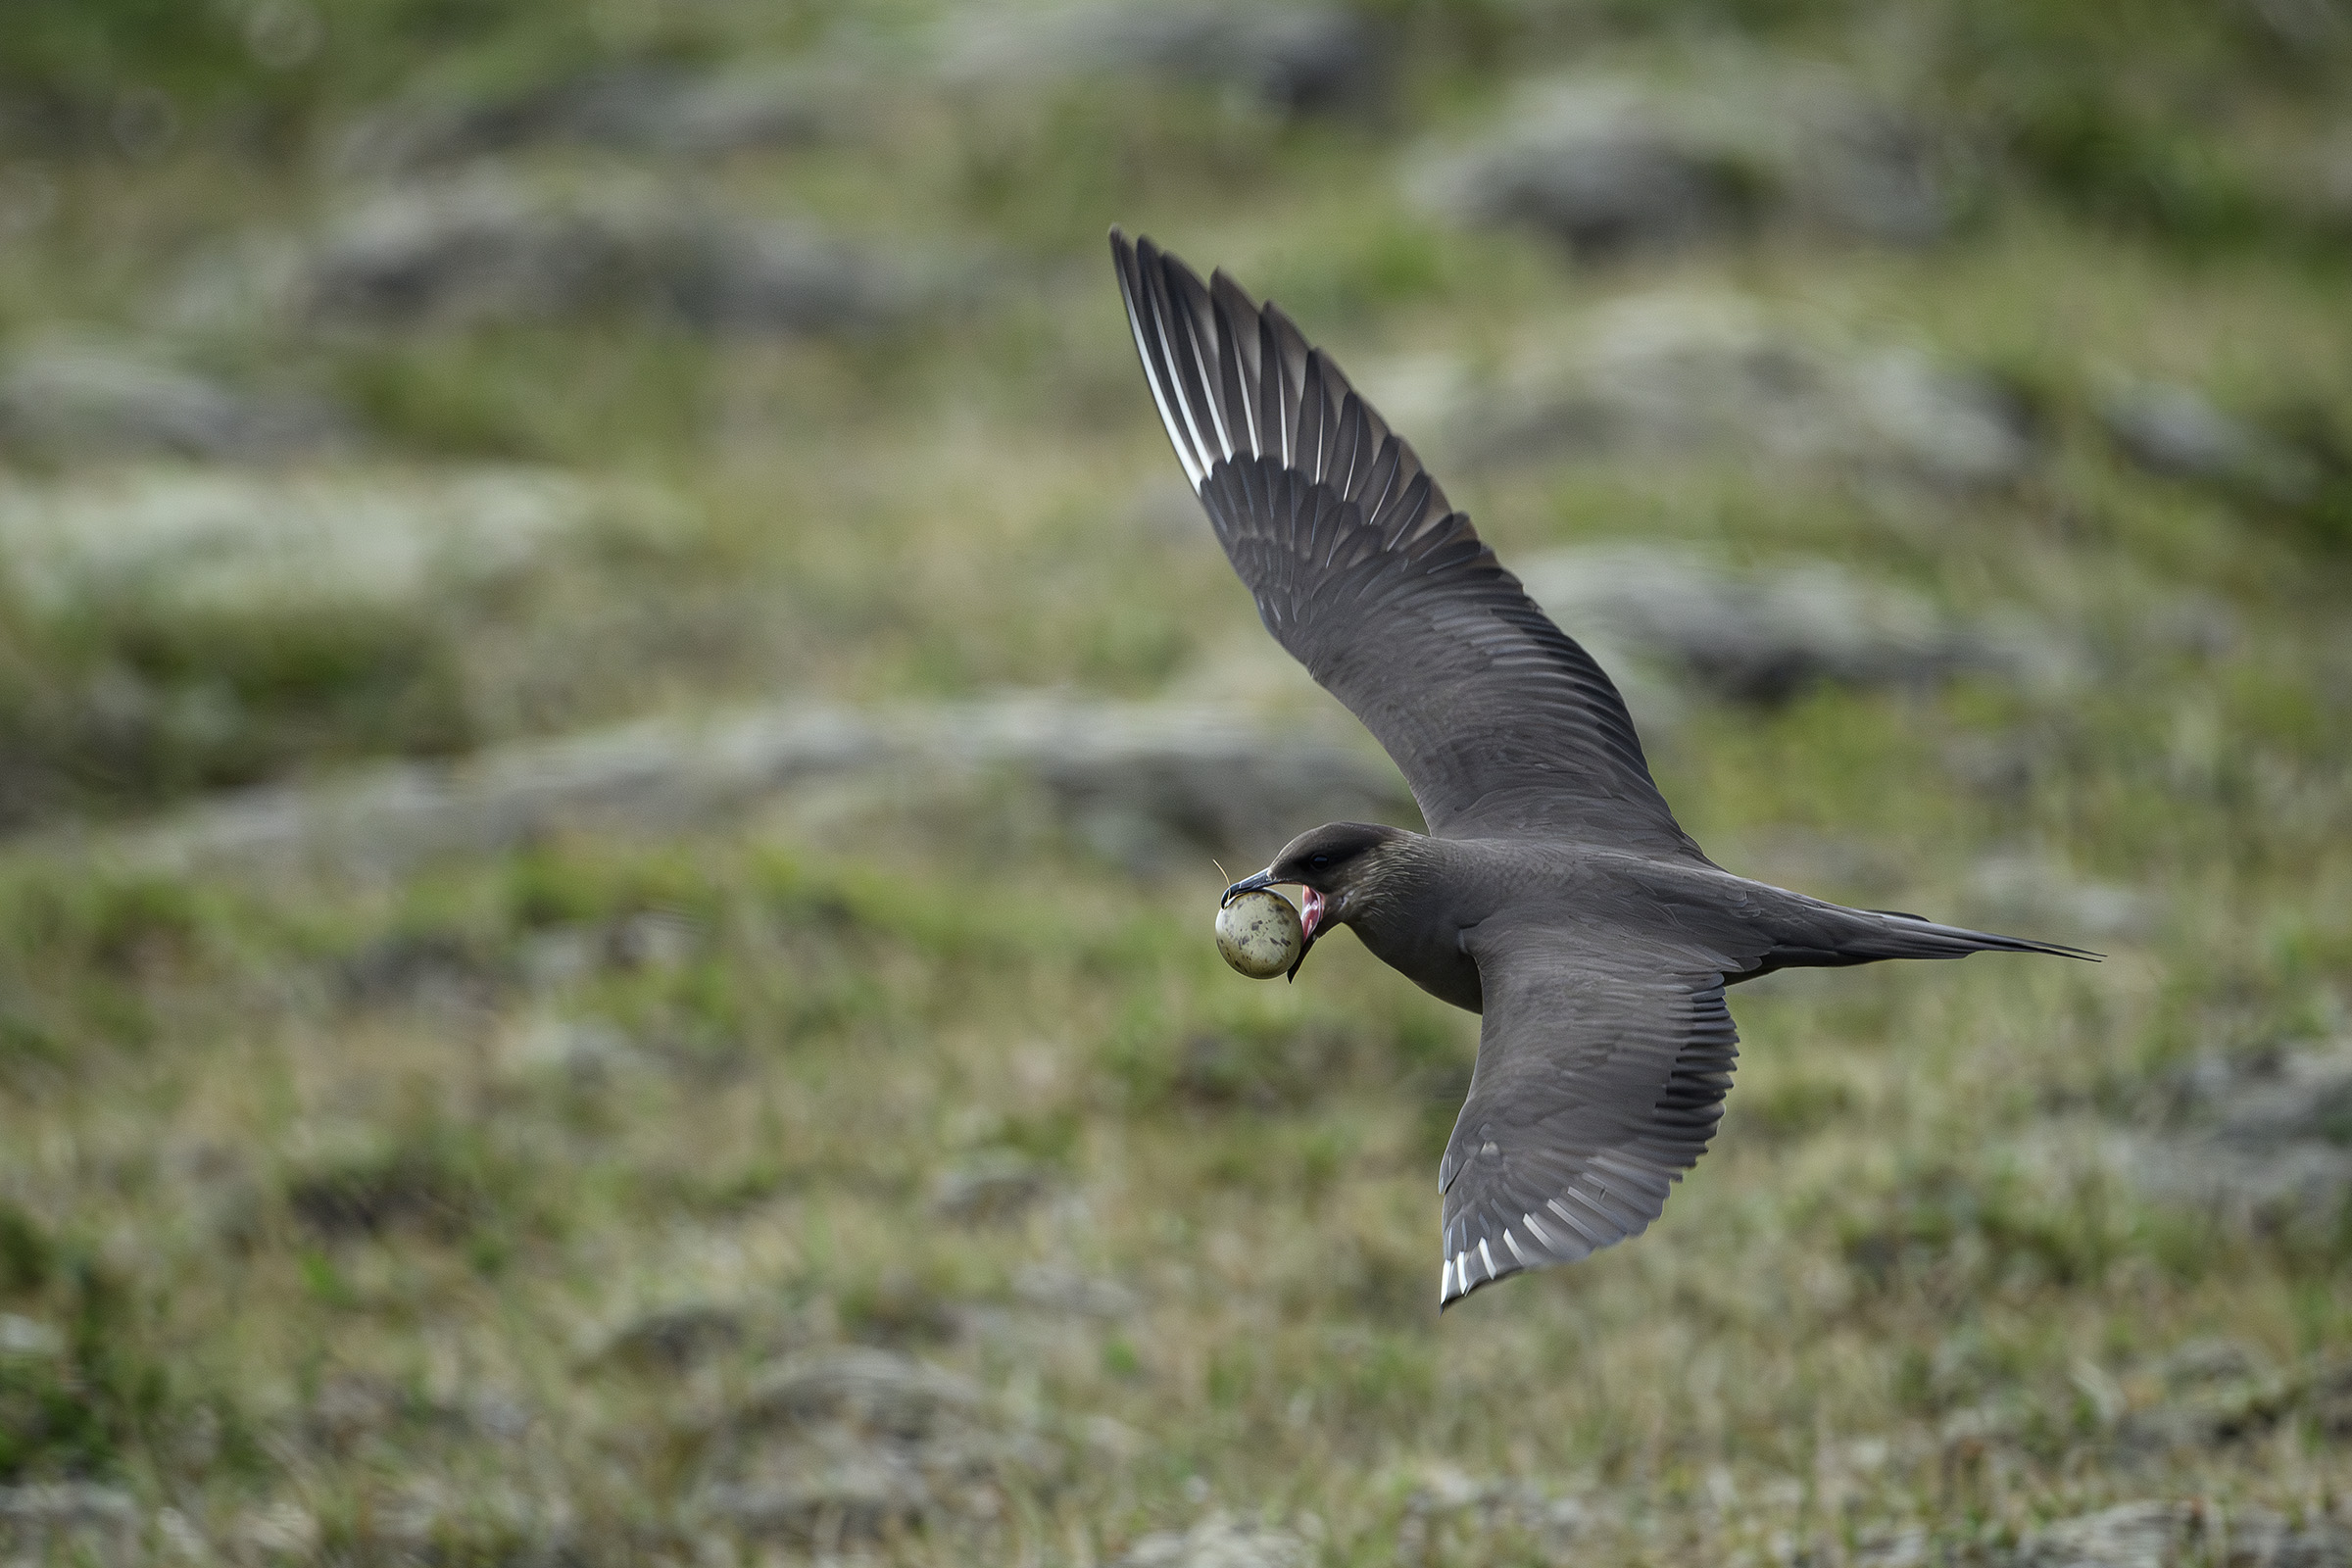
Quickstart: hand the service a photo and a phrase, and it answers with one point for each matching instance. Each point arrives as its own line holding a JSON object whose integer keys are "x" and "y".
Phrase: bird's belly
{"x": 1436, "y": 964}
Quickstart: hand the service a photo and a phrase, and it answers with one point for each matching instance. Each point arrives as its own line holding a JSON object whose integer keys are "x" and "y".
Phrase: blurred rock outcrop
{"x": 640, "y": 109}
{"x": 1219, "y": 1542}
{"x": 1046, "y": 1289}
{"x": 2021, "y": 888}
{"x": 167, "y": 541}
{"x": 485, "y": 248}
{"x": 65, "y": 1521}
{"x": 2175, "y": 431}
{"x": 672, "y": 1339}
{"x": 1608, "y": 164}
{"x": 1445, "y": 1495}
{"x": 2217, "y": 1391}
{"x": 1675, "y": 374}
{"x": 1292, "y": 58}
{"x": 67, "y": 400}
{"x": 1140, "y": 781}
{"x": 990, "y": 1189}
{"x": 845, "y": 1445}
{"x": 2177, "y": 1535}
{"x": 1765, "y": 637}
{"x": 2262, "y": 1141}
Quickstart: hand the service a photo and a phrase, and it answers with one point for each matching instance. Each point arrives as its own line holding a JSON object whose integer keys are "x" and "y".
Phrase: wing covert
{"x": 1498, "y": 720}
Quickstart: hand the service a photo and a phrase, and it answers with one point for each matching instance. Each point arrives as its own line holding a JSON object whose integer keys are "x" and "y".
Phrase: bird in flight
{"x": 1555, "y": 894}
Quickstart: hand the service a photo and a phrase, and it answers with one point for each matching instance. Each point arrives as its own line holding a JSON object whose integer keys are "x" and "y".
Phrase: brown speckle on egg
{"x": 1259, "y": 934}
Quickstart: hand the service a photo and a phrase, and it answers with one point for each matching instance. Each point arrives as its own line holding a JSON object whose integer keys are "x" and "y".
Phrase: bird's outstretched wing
{"x": 1498, "y": 720}
{"x": 1602, "y": 1063}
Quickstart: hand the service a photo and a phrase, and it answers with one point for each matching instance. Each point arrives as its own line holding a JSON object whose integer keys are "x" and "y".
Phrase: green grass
{"x": 321, "y": 1192}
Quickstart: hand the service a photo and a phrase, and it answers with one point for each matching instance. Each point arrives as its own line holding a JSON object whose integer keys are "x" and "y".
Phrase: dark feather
{"x": 1498, "y": 720}
{"x": 1602, "y": 1066}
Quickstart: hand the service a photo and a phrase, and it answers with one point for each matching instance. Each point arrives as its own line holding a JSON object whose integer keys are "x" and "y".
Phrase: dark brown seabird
{"x": 1554, "y": 893}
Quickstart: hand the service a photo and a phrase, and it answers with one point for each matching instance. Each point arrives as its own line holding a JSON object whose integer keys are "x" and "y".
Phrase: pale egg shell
{"x": 1259, "y": 934}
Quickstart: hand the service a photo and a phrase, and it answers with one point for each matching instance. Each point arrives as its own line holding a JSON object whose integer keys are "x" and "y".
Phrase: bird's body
{"x": 1555, "y": 894}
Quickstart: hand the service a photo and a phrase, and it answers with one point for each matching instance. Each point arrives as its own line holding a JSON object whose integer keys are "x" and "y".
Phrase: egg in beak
{"x": 1239, "y": 907}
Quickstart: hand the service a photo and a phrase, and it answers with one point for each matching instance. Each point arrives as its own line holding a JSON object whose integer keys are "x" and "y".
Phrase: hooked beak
{"x": 1247, "y": 884}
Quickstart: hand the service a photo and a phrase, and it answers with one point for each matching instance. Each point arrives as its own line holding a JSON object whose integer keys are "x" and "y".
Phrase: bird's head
{"x": 1338, "y": 864}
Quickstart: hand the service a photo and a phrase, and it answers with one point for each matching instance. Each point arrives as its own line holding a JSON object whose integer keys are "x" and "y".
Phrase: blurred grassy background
{"x": 393, "y": 380}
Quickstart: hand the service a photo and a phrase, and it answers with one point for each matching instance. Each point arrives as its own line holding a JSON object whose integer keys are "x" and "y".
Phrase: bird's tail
{"x": 1912, "y": 936}
{"x": 1843, "y": 936}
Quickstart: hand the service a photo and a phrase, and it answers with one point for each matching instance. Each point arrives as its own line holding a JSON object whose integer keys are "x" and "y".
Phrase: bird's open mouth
{"x": 1310, "y": 921}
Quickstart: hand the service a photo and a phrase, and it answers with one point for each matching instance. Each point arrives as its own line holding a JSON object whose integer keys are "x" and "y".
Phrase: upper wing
{"x": 1602, "y": 1063}
{"x": 1497, "y": 719}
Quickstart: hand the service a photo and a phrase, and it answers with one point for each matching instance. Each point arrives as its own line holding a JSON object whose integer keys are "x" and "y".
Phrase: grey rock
{"x": 2261, "y": 1141}
{"x": 171, "y": 541}
{"x": 1763, "y": 637}
{"x": 2177, "y": 432}
{"x": 2202, "y": 1362}
{"x": 875, "y": 1390}
{"x": 778, "y": 277}
{"x": 673, "y": 1338}
{"x": 1593, "y": 165}
{"x": 2176, "y": 1535}
{"x": 429, "y": 970}
{"x": 1445, "y": 1491}
{"x": 368, "y": 1187}
{"x": 2202, "y": 625}
{"x": 2022, "y": 888}
{"x": 1219, "y": 1542}
{"x": 477, "y": 1519}
{"x": 1609, "y": 164}
{"x": 91, "y": 400}
{"x": 840, "y": 1443}
{"x": 485, "y": 248}
{"x": 1671, "y": 374}
{"x": 990, "y": 1189}
{"x": 2203, "y": 1419}
{"x": 2330, "y": 183}
{"x": 556, "y": 959}
{"x": 553, "y": 960}
{"x": 632, "y": 109}
{"x": 1291, "y": 58}
{"x": 500, "y": 1417}
{"x": 279, "y": 1529}
{"x": 1045, "y": 1287}
{"x": 2300, "y": 23}
{"x": 1895, "y": 1548}
{"x": 29, "y": 1338}
{"x": 2287, "y": 1094}
{"x": 349, "y": 1408}
{"x": 1186, "y": 775}
{"x": 240, "y": 287}
{"x": 2216, "y": 1390}
{"x": 90, "y": 1522}
{"x": 853, "y": 1498}
{"x": 652, "y": 939}
{"x": 2138, "y": 1535}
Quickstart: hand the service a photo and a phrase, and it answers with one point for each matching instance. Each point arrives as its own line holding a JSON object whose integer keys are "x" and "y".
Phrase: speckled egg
{"x": 1259, "y": 934}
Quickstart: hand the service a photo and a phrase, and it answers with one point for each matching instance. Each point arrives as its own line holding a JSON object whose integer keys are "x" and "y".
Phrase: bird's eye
{"x": 1320, "y": 861}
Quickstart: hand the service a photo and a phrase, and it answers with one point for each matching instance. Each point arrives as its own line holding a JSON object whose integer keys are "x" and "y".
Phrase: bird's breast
{"x": 1428, "y": 954}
